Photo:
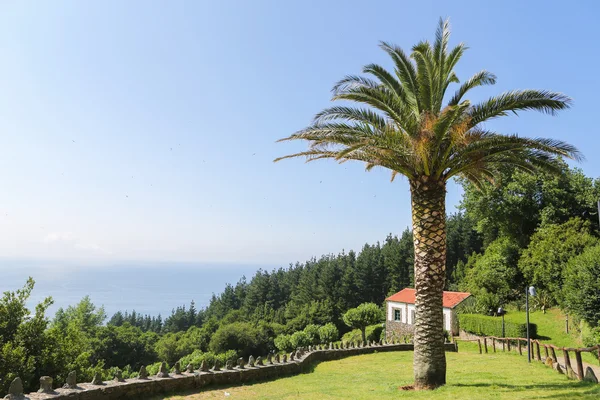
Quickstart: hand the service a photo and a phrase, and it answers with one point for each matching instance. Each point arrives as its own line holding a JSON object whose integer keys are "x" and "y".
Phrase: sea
{"x": 147, "y": 288}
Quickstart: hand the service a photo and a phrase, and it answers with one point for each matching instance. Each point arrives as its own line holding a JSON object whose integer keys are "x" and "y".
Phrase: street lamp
{"x": 528, "y": 291}
{"x": 501, "y": 312}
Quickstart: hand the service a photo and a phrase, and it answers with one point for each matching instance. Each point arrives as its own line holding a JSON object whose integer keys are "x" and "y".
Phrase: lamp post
{"x": 501, "y": 312}
{"x": 528, "y": 291}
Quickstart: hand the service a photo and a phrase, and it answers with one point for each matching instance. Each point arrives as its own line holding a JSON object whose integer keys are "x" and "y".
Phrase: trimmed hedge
{"x": 484, "y": 325}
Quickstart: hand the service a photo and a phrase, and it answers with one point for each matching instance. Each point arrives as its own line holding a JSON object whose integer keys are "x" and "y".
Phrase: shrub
{"x": 328, "y": 333}
{"x": 312, "y": 333}
{"x": 283, "y": 343}
{"x": 372, "y": 333}
{"x": 299, "y": 339}
{"x": 492, "y": 326}
{"x": 582, "y": 279}
{"x": 242, "y": 337}
{"x": 198, "y": 356}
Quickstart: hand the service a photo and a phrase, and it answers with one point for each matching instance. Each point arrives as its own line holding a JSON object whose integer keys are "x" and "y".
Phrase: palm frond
{"x": 479, "y": 79}
{"x": 518, "y": 100}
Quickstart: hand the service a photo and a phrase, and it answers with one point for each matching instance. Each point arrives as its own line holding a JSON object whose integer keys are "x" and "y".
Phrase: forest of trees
{"x": 540, "y": 230}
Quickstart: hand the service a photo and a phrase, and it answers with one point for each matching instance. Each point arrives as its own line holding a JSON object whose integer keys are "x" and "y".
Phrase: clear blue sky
{"x": 145, "y": 130}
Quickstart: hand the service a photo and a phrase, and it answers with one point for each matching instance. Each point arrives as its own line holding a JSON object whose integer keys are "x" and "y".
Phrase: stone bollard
{"x": 204, "y": 366}
{"x": 162, "y": 371}
{"x": 71, "y": 381}
{"x": 97, "y": 380}
{"x": 270, "y": 359}
{"x": 15, "y": 390}
{"x": 229, "y": 365}
{"x": 309, "y": 349}
{"x": 177, "y": 368}
{"x": 217, "y": 366}
{"x": 277, "y": 359}
{"x": 143, "y": 374}
{"x": 251, "y": 361}
{"x": 298, "y": 355}
{"x": 241, "y": 363}
{"x": 590, "y": 376}
{"x": 46, "y": 385}
{"x": 189, "y": 368}
{"x": 284, "y": 359}
{"x": 259, "y": 361}
{"x": 291, "y": 356}
{"x": 119, "y": 376}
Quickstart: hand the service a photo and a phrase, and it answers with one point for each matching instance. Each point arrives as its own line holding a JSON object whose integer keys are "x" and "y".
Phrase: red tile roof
{"x": 451, "y": 299}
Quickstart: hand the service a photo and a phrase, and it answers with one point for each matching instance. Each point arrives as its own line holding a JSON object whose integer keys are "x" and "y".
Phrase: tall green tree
{"x": 402, "y": 124}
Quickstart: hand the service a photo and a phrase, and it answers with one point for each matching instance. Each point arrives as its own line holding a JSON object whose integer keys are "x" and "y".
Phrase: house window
{"x": 397, "y": 315}
{"x": 412, "y": 316}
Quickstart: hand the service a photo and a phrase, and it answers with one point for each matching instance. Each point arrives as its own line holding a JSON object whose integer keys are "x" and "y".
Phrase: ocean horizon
{"x": 151, "y": 288}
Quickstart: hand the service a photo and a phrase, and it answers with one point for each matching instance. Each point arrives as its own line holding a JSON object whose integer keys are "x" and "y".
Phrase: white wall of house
{"x": 407, "y": 313}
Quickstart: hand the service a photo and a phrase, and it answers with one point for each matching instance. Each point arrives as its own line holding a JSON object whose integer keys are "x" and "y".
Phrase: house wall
{"x": 407, "y": 317}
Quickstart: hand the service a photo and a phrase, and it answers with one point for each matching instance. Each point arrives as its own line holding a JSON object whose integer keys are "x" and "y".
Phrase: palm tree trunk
{"x": 429, "y": 235}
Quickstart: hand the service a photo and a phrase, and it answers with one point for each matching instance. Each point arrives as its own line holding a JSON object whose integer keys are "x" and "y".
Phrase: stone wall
{"x": 396, "y": 330}
{"x": 186, "y": 381}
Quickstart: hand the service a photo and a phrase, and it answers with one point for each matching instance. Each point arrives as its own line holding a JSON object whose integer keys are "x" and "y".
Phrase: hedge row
{"x": 484, "y": 325}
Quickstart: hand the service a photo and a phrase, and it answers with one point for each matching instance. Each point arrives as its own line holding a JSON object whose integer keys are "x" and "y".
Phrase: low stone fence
{"x": 244, "y": 372}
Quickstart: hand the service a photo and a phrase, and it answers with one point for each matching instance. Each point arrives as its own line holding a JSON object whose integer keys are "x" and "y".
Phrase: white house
{"x": 400, "y": 310}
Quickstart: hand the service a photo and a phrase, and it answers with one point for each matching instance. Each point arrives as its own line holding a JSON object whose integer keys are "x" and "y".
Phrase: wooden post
{"x": 598, "y": 354}
{"x": 567, "y": 359}
{"x": 504, "y": 343}
{"x": 546, "y": 350}
{"x": 494, "y": 344}
{"x": 479, "y": 343}
{"x": 537, "y": 350}
{"x": 508, "y": 343}
{"x": 485, "y": 344}
{"x": 579, "y": 364}
{"x": 553, "y": 354}
{"x": 519, "y": 346}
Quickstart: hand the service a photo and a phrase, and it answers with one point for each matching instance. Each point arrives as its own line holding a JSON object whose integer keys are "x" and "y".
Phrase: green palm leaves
{"x": 397, "y": 119}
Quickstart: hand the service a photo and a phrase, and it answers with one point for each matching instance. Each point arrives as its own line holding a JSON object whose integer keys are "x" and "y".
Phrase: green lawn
{"x": 379, "y": 376}
{"x": 551, "y": 326}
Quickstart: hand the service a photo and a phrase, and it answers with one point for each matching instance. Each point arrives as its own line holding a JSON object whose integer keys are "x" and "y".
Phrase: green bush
{"x": 284, "y": 343}
{"x": 242, "y": 337}
{"x": 492, "y": 326}
{"x": 312, "y": 331}
{"x": 328, "y": 333}
{"x": 373, "y": 333}
{"x": 198, "y": 356}
{"x": 299, "y": 339}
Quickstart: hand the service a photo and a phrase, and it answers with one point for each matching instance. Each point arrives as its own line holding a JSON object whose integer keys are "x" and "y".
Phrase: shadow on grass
{"x": 308, "y": 369}
{"x": 594, "y": 388}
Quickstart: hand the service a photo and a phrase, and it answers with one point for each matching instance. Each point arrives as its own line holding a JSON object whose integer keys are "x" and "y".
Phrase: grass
{"x": 379, "y": 376}
{"x": 551, "y": 328}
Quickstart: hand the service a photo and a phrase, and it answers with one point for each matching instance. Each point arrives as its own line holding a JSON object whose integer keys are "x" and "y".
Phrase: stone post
{"x": 217, "y": 366}
{"x": 241, "y": 363}
{"x": 71, "y": 381}
{"x": 189, "y": 368}
{"x": 162, "y": 371}
{"x": 46, "y": 385}
{"x": 97, "y": 379}
{"x": 15, "y": 390}
{"x": 119, "y": 376}
{"x": 204, "y": 366}
{"x": 143, "y": 374}
{"x": 259, "y": 361}
{"x": 177, "y": 368}
{"x": 229, "y": 365}
{"x": 284, "y": 359}
{"x": 251, "y": 361}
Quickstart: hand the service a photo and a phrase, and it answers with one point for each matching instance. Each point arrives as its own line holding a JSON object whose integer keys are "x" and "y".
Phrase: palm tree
{"x": 402, "y": 125}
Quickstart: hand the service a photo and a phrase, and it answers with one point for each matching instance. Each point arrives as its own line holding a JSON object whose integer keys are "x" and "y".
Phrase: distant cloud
{"x": 60, "y": 237}
{"x": 68, "y": 240}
